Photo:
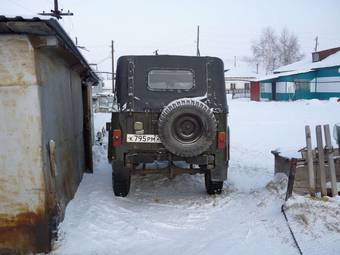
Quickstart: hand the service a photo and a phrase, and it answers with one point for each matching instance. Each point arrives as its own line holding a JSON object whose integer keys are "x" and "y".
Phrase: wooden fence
{"x": 317, "y": 171}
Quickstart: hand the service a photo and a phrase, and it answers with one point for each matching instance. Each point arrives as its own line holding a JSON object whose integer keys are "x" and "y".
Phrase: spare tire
{"x": 187, "y": 127}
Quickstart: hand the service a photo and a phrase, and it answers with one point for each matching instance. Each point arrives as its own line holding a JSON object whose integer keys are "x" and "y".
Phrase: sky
{"x": 227, "y": 27}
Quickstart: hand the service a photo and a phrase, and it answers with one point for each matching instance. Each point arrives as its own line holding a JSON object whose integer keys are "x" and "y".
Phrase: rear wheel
{"x": 121, "y": 179}
{"x": 212, "y": 187}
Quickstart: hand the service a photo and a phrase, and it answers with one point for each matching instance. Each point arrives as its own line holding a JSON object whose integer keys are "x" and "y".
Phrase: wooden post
{"x": 321, "y": 157}
{"x": 291, "y": 178}
{"x": 53, "y": 163}
{"x": 311, "y": 174}
{"x": 329, "y": 149}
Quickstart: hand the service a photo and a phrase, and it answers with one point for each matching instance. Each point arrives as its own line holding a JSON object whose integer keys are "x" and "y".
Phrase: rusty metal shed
{"x": 45, "y": 130}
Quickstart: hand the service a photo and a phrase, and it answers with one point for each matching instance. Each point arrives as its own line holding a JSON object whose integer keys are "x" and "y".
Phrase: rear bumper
{"x": 199, "y": 164}
{"x": 150, "y": 157}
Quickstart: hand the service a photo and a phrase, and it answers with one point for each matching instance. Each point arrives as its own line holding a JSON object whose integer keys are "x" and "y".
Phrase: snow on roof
{"x": 332, "y": 60}
{"x": 239, "y": 72}
{"x": 277, "y": 75}
{"x": 307, "y": 63}
{"x": 294, "y": 66}
{"x": 242, "y": 70}
{"x": 303, "y": 66}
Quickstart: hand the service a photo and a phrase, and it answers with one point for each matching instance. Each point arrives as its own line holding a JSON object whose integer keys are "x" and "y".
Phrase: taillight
{"x": 116, "y": 137}
{"x": 221, "y": 140}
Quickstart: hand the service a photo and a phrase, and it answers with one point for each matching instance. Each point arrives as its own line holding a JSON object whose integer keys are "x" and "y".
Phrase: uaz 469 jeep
{"x": 173, "y": 109}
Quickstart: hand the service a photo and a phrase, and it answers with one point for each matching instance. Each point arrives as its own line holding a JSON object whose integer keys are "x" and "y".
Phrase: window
{"x": 232, "y": 86}
{"x": 246, "y": 85}
{"x": 170, "y": 79}
{"x": 301, "y": 85}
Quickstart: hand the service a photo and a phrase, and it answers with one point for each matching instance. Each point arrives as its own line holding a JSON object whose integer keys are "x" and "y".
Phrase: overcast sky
{"x": 227, "y": 27}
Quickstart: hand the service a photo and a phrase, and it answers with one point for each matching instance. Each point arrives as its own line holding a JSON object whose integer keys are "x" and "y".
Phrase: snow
{"x": 277, "y": 75}
{"x": 238, "y": 72}
{"x": 307, "y": 64}
{"x": 200, "y": 98}
{"x": 306, "y": 61}
{"x": 162, "y": 216}
{"x": 241, "y": 70}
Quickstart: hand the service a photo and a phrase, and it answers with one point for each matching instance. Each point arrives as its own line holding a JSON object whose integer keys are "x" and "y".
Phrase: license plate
{"x": 132, "y": 138}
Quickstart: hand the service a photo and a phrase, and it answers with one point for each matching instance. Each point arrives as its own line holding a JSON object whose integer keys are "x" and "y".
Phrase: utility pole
{"x": 198, "y": 42}
{"x": 113, "y": 64}
{"x": 257, "y": 68}
{"x": 56, "y": 12}
{"x": 316, "y": 44}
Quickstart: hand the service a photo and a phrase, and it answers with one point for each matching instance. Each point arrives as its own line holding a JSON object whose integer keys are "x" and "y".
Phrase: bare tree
{"x": 265, "y": 50}
{"x": 289, "y": 48}
{"x": 272, "y": 51}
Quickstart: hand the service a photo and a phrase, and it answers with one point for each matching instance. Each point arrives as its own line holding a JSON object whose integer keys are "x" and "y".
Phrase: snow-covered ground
{"x": 162, "y": 216}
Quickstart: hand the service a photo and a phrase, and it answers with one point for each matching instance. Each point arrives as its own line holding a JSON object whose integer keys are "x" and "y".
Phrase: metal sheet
{"x": 40, "y": 100}
{"x": 22, "y": 186}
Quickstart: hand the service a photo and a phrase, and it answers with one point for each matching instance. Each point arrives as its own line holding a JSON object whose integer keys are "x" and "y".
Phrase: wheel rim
{"x": 187, "y": 128}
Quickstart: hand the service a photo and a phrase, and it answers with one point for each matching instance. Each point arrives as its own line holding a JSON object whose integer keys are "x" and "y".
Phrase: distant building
{"x": 103, "y": 97}
{"x": 238, "y": 79}
{"x": 317, "y": 76}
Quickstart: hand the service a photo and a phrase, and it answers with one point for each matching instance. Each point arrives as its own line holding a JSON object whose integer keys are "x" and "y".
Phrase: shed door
{"x": 255, "y": 91}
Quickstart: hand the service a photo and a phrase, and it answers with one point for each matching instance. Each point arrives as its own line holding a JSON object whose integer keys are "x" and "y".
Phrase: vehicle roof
{"x": 132, "y": 77}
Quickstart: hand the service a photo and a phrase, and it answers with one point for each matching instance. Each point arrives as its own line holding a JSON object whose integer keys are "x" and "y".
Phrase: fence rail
{"x": 238, "y": 93}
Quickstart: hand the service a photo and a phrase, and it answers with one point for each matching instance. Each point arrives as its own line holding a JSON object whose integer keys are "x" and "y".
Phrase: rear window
{"x": 170, "y": 79}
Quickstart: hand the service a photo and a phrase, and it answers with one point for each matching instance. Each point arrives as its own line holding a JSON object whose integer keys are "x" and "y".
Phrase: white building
{"x": 237, "y": 79}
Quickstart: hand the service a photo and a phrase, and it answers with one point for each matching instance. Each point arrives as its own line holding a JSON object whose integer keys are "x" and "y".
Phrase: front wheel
{"x": 121, "y": 179}
{"x": 212, "y": 187}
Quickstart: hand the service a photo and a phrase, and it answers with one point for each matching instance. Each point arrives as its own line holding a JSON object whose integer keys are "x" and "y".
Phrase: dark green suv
{"x": 172, "y": 109}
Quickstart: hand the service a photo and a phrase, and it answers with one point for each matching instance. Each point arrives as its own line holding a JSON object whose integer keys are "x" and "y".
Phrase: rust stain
{"x": 25, "y": 233}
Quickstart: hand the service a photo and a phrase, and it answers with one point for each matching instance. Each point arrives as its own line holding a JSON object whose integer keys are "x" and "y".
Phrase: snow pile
{"x": 162, "y": 216}
{"x": 316, "y": 222}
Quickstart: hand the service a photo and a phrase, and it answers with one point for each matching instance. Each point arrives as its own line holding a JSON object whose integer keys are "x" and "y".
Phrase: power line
{"x": 103, "y": 60}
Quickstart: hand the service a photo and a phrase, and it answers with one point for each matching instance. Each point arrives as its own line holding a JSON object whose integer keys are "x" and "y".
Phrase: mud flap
{"x": 220, "y": 172}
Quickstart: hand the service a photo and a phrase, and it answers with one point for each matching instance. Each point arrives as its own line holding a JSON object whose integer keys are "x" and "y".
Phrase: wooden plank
{"x": 321, "y": 158}
{"x": 311, "y": 174}
{"x": 291, "y": 178}
{"x": 330, "y": 155}
{"x": 53, "y": 163}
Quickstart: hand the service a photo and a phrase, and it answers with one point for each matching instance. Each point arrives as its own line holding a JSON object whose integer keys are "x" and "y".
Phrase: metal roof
{"x": 37, "y": 26}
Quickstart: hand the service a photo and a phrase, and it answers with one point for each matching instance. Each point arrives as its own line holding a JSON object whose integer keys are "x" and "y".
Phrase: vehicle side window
{"x": 166, "y": 79}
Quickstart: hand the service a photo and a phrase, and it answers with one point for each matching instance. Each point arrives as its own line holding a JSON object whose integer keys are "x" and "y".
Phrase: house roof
{"x": 304, "y": 66}
{"x": 307, "y": 63}
{"x": 239, "y": 73}
{"x": 243, "y": 71}
{"x": 47, "y": 27}
{"x": 277, "y": 75}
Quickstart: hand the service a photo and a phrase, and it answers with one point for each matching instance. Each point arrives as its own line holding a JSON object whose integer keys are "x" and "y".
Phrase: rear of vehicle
{"x": 172, "y": 109}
